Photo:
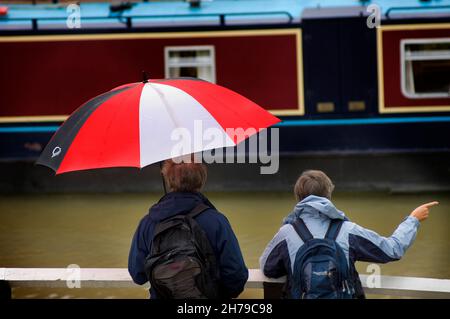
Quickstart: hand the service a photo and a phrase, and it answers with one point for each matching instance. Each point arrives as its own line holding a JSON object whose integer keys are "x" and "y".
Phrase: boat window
{"x": 190, "y": 61}
{"x": 425, "y": 68}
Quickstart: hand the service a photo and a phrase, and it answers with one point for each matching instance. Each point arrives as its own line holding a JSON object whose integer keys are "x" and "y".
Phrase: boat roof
{"x": 237, "y": 12}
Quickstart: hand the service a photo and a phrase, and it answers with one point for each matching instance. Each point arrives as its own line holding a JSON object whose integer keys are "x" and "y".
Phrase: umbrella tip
{"x": 144, "y": 77}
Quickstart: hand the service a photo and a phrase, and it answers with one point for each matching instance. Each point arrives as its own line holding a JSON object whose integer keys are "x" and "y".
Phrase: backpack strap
{"x": 165, "y": 224}
{"x": 334, "y": 228}
{"x": 170, "y": 222}
{"x": 200, "y": 208}
{"x": 302, "y": 230}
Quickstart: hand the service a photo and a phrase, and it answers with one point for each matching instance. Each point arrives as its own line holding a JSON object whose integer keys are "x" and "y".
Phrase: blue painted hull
{"x": 297, "y": 137}
{"x": 339, "y": 59}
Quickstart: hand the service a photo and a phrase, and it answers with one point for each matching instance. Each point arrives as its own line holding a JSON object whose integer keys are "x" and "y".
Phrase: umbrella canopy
{"x": 132, "y": 125}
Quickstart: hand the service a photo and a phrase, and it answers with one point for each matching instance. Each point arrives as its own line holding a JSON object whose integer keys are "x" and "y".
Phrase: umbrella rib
{"x": 167, "y": 106}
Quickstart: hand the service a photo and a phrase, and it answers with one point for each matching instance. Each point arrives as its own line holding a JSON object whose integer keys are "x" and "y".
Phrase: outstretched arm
{"x": 367, "y": 245}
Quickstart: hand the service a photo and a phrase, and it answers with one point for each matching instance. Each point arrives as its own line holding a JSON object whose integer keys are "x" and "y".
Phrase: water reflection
{"x": 95, "y": 230}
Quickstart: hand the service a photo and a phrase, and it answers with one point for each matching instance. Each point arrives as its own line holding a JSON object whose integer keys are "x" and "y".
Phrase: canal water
{"x": 95, "y": 230}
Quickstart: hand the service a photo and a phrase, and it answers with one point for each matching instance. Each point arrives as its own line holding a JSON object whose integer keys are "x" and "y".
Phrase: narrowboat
{"x": 344, "y": 76}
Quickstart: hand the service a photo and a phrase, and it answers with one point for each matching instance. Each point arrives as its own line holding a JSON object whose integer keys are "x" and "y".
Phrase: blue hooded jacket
{"x": 358, "y": 243}
{"x": 232, "y": 269}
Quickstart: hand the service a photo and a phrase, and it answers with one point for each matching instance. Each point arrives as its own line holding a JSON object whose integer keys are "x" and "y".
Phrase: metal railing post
{"x": 129, "y": 23}
{"x": 5, "y": 290}
{"x": 273, "y": 290}
{"x": 34, "y": 24}
{"x": 222, "y": 19}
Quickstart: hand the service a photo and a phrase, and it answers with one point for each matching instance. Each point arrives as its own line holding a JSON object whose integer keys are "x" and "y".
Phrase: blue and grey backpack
{"x": 320, "y": 269}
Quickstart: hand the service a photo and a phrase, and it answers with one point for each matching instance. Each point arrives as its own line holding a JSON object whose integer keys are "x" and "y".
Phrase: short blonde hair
{"x": 313, "y": 182}
{"x": 184, "y": 177}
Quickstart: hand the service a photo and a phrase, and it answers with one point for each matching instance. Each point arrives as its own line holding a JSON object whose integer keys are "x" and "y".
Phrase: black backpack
{"x": 182, "y": 264}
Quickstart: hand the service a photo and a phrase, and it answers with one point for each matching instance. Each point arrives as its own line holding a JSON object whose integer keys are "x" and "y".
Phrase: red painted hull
{"x": 394, "y": 99}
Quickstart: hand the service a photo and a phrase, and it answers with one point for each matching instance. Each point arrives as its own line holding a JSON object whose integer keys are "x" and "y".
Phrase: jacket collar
{"x": 314, "y": 206}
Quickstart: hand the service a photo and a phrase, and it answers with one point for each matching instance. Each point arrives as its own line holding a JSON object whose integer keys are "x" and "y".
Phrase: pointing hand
{"x": 422, "y": 212}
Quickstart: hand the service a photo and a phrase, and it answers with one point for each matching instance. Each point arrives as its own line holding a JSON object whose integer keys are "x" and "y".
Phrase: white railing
{"x": 119, "y": 278}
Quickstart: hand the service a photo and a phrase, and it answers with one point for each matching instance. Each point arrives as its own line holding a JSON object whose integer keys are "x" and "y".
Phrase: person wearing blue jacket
{"x": 313, "y": 191}
{"x": 185, "y": 180}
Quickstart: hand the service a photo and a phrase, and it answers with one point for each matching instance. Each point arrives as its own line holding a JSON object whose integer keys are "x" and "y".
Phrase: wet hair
{"x": 184, "y": 177}
{"x": 313, "y": 182}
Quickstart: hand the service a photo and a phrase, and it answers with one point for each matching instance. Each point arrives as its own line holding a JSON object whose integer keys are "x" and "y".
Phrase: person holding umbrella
{"x": 184, "y": 246}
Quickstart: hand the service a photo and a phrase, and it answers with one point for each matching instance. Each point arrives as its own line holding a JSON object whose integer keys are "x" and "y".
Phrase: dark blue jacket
{"x": 233, "y": 272}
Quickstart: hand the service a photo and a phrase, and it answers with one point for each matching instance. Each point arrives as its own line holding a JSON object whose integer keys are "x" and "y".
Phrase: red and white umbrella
{"x": 132, "y": 125}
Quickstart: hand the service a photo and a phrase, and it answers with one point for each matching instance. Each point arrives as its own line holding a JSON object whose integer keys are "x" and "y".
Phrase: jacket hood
{"x": 176, "y": 203}
{"x": 316, "y": 206}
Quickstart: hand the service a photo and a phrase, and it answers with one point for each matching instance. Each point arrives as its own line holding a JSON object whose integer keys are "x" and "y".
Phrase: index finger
{"x": 430, "y": 204}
